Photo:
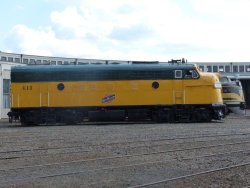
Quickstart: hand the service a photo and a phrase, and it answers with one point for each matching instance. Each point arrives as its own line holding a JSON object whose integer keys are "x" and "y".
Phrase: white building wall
{"x": 1, "y": 91}
{"x": 4, "y": 74}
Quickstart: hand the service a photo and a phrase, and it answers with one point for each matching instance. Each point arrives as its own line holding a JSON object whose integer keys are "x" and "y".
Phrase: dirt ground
{"x": 215, "y": 154}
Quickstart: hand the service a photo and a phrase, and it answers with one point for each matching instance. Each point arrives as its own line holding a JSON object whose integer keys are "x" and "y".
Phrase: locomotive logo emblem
{"x": 108, "y": 98}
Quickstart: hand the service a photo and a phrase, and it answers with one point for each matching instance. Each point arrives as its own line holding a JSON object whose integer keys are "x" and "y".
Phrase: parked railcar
{"x": 125, "y": 92}
{"x": 233, "y": 95}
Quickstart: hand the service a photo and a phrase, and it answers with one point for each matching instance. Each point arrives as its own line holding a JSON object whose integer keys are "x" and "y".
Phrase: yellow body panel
{"x": 115, "y": 93}
{"x": 233, "y": 97}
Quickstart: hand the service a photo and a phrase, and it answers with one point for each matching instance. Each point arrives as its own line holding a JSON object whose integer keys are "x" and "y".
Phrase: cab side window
{"x": 191, "y": 74}
{"x": 178, "y": 73}
{"x": 195, "y": 74}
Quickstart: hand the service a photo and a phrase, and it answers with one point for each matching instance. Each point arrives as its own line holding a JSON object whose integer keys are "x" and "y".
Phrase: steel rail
{"x": 20, "y": 180}
{"x": 125, "y": 156}
{"x": 168, "y": 138}
{"x": 191, "y": 175}
{"x": 122, "y": 143}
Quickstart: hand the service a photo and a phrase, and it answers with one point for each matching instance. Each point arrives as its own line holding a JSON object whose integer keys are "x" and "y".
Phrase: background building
{"x": 5, "y": 66}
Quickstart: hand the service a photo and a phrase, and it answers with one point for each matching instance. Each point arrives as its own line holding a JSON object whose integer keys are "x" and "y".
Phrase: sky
{"x": 144, "y": 30}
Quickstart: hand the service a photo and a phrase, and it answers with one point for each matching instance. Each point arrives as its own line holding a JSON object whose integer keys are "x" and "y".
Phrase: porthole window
{"x": 60, "y": 86}
{"x": 155, "y": 85}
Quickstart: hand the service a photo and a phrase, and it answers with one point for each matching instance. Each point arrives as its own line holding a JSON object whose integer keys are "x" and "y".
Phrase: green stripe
{"x": 94, "y": 72}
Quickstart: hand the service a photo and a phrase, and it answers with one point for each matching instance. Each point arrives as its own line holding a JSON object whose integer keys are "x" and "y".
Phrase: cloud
{"x": 130, "y": 34}
{"x": 213, "y": 30}
{"x": 45, "y": 42}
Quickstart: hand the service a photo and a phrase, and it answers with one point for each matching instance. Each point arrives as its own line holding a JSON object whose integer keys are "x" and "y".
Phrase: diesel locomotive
{"x": 70, "y": 94}
{"x": 233, "y": 95}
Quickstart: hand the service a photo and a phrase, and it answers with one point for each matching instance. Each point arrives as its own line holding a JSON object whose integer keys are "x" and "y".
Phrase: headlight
{"x": 217, "y": 85}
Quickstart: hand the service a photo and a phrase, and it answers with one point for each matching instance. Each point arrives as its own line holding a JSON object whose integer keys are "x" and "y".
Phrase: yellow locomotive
{"x": 72, "y": 94}
{"x": 233, "y": 96}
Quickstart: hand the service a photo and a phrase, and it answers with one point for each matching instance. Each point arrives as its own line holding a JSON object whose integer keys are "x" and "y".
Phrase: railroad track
{"x": 82, "y": 149}
{"x": 189, "y": 176}
{"x": 133, "y": 155}
{"x": 112, "y": 169}
{"x": 177, "y": 137}
{"x": 59, "y": 131}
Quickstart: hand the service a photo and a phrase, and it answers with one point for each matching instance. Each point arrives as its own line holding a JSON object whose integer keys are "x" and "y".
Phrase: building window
{"x": 59, "y": 62}
{"x": 235, "y": 68}
{"x": 241, "y": 68}
{"x": 227, "y": 68}
{"x": 32, "y": 61}
{"x": 202, "y": 68}
{"x": 10, "y": 59}
{"x": 3, "y": 58}
{"x": 38, "y": 61}
{"x": 83, "y": 63}
{"x": 209, "y": 69}
{"x": 46, "y": 62}
{"x": 17, "y": 60}
{"x": 221, "y": 68}
{"x": 53, "y": 62}
{"x": 25, "y": 61}
{"x": 215, "y": 68}
{"x": 6, "y": 93}
{"x": 247, "y": 68}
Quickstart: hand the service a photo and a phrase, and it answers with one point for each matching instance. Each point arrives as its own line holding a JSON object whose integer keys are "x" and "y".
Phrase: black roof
{"x": 91, "y": 72}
